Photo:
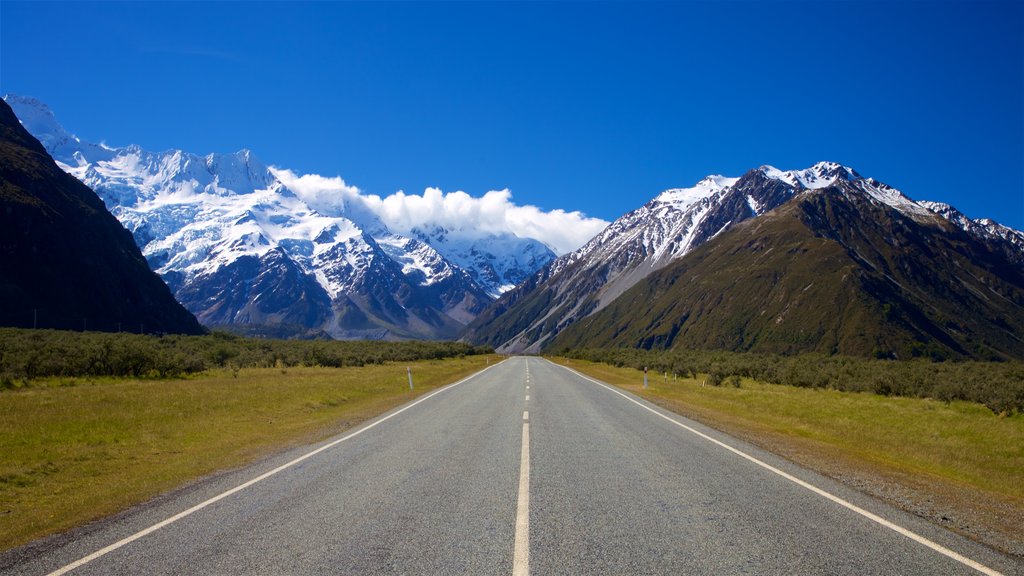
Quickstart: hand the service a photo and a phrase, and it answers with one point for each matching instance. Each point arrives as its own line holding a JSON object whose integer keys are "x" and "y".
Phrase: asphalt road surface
{"x": 524, "y": 468}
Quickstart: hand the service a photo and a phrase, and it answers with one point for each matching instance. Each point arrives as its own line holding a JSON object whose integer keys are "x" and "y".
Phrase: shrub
{"x": 28, "y": 354}
{"x": 998, "y": 385}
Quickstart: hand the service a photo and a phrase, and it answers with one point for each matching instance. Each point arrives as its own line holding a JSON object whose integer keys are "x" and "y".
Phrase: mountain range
{"x": 820, "y": 259}
{"x": 242, "y": 250}
{"x": 65, "y": 262}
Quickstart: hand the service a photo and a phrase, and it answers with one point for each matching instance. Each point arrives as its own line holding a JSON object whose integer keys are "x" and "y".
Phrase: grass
{"x": 74, "y": 450}
{"x": 960, "y": 453}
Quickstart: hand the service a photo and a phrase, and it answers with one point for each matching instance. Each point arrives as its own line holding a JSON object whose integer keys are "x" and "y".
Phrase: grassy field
{"x": 958, "y": 460}
{"x": 73, "y": 450}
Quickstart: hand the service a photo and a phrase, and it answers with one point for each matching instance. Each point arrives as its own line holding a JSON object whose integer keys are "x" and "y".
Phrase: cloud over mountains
{"x": 457, "y": 211}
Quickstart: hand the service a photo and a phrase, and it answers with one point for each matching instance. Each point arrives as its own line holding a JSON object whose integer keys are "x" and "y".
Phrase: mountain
{"x": 835, "y": 270}
{"x": 496, "y": 262}
{"x": 1006, "y": 240}
{"x": 65, "y": 262}
{"x": 580, "y": 284}
{"x": 242, "y": 250}
{"x": 640, "y": 242}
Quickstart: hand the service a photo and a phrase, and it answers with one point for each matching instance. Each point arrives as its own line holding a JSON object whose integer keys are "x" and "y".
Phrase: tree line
{"x": 27, "y": 354}
{"x": 997, "y": 385}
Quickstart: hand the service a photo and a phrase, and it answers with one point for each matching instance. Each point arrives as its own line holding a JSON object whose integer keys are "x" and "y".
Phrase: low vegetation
{"x": 26, "y": 355}
{"x": 73, "y": 449}
{"x": 997, "y": 385}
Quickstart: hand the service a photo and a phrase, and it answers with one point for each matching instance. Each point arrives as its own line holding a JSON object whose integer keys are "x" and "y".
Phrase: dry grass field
{"x": 73, "y": 450}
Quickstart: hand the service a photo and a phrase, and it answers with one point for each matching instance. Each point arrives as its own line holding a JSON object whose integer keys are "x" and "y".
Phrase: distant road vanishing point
{"x": 524, "y": 468}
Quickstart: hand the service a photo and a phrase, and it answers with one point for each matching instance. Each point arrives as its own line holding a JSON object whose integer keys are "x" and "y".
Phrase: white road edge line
{"x": 521, "y": 554}
{"x": 104, "y": 551}
{"x": 869, "y": 515}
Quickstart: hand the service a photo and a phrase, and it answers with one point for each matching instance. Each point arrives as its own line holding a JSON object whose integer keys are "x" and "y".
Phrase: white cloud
{"x": 325, "y": 195}
{"x": 458, "y": 212}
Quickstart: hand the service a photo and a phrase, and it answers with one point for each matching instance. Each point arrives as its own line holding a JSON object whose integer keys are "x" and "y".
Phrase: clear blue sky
{"x": 582, "y": 106}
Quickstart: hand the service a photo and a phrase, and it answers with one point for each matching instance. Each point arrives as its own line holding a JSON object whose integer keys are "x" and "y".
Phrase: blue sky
{"x": 582, "y": 106}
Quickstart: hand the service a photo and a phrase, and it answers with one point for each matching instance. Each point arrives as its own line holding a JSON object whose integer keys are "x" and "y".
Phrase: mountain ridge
{"x": 832, "y": 272}
{"x": 583, "y": 282}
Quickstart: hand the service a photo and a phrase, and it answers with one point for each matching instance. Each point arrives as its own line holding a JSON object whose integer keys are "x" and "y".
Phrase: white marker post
{"x": 645, "y": 377}
{"x": 409, "y": 370}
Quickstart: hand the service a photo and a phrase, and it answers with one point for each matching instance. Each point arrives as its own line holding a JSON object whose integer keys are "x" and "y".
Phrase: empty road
{"x": 524, "y": 468}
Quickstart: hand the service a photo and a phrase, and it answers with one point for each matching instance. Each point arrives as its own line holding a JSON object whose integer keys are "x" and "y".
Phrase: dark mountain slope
{"x": 65, "y": 262}
{"x": 834, "y": 271}
{"x": 640, "y": 242}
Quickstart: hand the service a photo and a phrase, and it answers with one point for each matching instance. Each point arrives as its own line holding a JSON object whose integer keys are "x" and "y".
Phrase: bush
{"x": 28, "y": 354}
{"x": 997, "y": 385}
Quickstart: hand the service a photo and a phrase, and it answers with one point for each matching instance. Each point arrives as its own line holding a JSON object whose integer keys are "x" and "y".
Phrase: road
{"x": 604, "y": 483}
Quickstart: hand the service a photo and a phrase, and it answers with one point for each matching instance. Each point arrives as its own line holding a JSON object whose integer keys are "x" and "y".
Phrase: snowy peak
{"x": 240, "y": 171}
{"x": 39, "y": 120}
{"x": 944, "y": 210}
{"x": 681, "y": 198}
{"x": 821, "y": 175}
{"x": 832, "y": 174}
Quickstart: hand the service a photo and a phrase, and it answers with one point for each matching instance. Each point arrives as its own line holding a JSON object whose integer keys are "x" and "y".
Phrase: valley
{"x": 733, "y": 281}
{"x": 511, "y": 287}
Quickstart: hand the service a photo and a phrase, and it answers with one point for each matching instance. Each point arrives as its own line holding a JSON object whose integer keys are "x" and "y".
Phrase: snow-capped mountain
{"x": 496, "y": 262}
{"x": 671, "y": 225}
{"x": 238, "y": 247}
{"x": 851, "y": 268}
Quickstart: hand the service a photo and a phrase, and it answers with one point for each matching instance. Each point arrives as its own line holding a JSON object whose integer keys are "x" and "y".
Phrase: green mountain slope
{"x": 65, "y": 261}
{"x": 831, "y": 271}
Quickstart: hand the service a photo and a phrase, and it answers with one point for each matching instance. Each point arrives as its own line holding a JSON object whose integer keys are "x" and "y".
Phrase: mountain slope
{"x": 65, "y": 262}
{"x": 673, "y": 223}
{"x": 243, "y": 251}
{"x": 668, "y": 227}
{"x": 836, "y": 270}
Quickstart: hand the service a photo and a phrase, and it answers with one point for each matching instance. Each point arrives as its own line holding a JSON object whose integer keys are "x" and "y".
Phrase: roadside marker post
{"x": 645, "y": 377}
{"x": 409, "y": 370}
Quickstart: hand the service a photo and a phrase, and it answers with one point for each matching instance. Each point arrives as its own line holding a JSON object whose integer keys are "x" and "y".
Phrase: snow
{"x": 825, "y": 174}
{"x": 680, "y": 198}
{"x": 821, "y": 175}
{"x": 891, "y": 197}
{"x": 755, "y": 206}
{"x": 983, "y": 227}
{"x": 193, "y": 214}
{"x": 496, "y": 262}
{"x": 417, "y": 259}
